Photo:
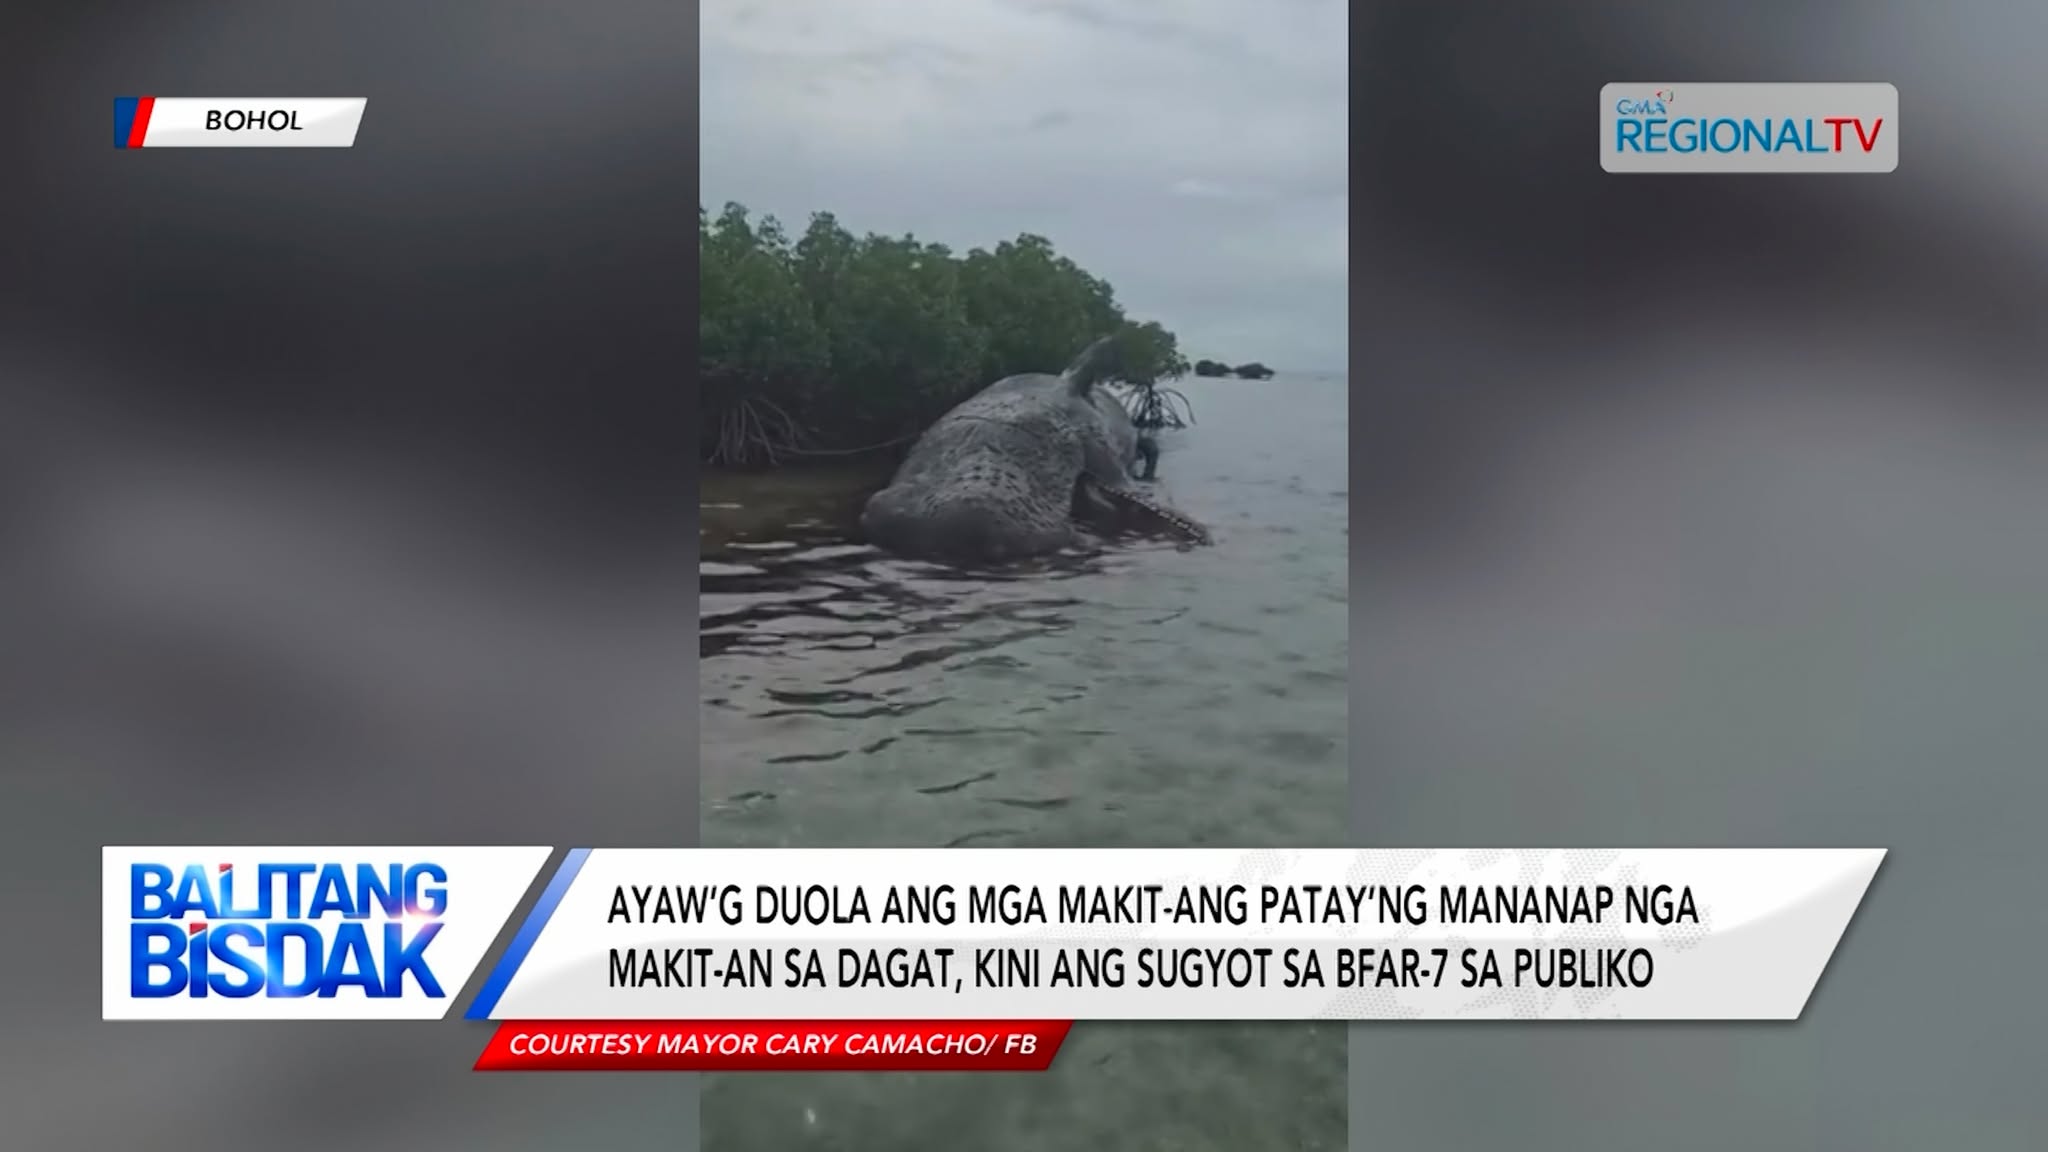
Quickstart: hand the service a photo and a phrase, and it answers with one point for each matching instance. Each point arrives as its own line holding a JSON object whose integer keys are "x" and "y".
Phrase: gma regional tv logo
{"x": 301, "y": 933}
{"x": 1736, "y": 128}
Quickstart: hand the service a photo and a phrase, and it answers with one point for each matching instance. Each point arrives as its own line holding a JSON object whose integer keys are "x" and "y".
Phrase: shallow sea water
{"x": 1137, "y": 694}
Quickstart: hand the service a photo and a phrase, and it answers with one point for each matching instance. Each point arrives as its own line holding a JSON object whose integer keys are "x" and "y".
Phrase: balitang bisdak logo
{"x": 295, "y": 929}
{"x": 1726, "y": 128}
{"x": 302, "y": 933}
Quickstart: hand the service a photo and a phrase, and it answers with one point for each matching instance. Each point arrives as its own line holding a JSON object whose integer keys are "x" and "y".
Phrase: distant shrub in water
{"x": 833, "y": 343}
{"x": 1252, "y": 371}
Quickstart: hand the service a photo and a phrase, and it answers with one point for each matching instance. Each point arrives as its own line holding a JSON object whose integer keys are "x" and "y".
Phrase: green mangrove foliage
{"x": 831, "y": 344}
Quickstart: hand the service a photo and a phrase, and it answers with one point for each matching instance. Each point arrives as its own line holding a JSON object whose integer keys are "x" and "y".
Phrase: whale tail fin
{"x": 1094, "y": 364}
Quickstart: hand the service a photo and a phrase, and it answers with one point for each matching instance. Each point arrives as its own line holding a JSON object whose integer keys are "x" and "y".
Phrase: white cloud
{"x": 1194, "y": 154}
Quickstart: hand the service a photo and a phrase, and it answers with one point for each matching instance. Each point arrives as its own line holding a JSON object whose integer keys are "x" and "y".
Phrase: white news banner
{"x": 237, "y": 122}
{"x": 1081, "y": 934}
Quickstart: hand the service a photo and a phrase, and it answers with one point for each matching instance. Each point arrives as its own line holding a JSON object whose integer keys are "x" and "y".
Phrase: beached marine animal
{"x": 1011, "y": 471}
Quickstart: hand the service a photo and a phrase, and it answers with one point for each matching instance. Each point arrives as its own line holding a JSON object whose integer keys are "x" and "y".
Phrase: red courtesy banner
{"x": 773, "y": 1046}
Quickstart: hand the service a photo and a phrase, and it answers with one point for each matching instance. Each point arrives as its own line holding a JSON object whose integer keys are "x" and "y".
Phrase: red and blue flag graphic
{"x": 131, "y": 120}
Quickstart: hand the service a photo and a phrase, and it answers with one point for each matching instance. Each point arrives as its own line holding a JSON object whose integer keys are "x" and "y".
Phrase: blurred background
{"x": 344, "y": 497}
{"x": 1709, "y": 511}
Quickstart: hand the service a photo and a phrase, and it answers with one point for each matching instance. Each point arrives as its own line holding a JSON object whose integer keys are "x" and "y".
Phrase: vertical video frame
{"x": 1024, "y": 493}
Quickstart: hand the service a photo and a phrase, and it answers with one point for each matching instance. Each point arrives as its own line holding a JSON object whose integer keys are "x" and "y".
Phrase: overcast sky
{"x": 1191, "y": 152}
